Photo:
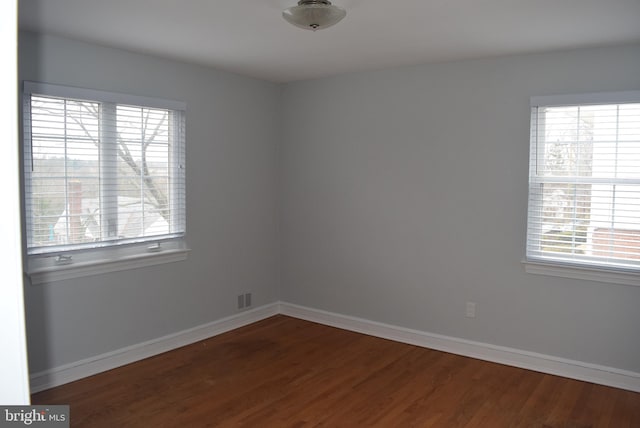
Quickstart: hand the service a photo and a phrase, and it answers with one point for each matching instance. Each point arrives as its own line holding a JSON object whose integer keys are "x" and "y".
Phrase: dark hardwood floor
{"x": 285, "y": 372}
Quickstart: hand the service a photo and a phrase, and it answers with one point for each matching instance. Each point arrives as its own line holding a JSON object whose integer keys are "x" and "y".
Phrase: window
{"x": 104, "y": 176}
{"x": 584, "y": 183}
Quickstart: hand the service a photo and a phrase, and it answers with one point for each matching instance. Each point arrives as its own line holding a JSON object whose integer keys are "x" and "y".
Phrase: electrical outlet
{"x": 470, "y": 311}
{"x": 241, "y": 302}
{"x": 247, "y": 299}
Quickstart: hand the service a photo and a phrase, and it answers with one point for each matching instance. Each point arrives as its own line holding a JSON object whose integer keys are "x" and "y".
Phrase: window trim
{"x": 41, "y": 273}
{"x": 50, "y": 266}
{"x": 538, "y": 264}
{"x": 63, "y": 91}
{"x": 589, "y": 273}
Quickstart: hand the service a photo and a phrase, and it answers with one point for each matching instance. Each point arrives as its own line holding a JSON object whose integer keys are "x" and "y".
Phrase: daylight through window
{"x": 100, "y": 171}
{"x": 584, "y": 183}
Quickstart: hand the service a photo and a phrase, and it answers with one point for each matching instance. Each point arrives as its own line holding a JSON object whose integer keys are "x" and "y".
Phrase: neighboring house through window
{"x": 584, "y": 184}
{"x": 104, "y": 176}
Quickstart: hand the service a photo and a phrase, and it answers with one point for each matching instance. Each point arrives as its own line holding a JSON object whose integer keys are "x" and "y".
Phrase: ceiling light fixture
{"x": 314, "y": 14}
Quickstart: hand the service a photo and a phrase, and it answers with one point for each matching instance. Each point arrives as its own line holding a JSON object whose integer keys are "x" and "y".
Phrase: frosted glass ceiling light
{"x": 314, "y": 14}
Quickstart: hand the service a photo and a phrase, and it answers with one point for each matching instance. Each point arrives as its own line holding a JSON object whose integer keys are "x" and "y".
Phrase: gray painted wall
{"x": 405, "y": 195}
{"x": 401, "y": 200}
{"x": 232, "y": 133}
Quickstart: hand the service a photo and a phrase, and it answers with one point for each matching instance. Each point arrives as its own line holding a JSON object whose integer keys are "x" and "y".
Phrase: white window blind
{"x": 101, "y": 169}
{"x": 584, "y": 181}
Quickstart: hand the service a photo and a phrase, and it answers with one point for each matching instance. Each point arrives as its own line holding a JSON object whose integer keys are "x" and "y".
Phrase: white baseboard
{"x": 100, "y": 363}
{"x": 509, "y": 356}
{"x": 498, "y": 354}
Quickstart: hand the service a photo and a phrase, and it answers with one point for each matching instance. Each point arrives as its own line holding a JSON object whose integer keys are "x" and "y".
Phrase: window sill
{"x": 579, "y": 272}
{"x": 47, "y": 274}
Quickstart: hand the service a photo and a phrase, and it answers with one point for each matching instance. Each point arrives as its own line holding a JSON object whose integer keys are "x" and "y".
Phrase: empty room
{"x": 282, "y": 213}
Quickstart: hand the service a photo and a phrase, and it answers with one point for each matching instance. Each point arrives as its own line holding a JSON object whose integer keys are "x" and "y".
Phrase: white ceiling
{"x": 251, "y": 38}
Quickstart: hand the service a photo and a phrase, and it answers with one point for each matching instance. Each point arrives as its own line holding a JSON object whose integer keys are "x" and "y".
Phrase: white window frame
{"x": 533, "y": 262}
{"x": 68, "y": 263}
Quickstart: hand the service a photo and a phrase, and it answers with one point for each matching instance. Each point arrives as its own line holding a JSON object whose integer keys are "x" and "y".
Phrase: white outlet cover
{"x": 471, "y": 310}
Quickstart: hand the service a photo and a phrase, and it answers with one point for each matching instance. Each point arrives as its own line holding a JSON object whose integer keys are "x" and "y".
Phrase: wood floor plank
{"x": 286, "y": 372}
